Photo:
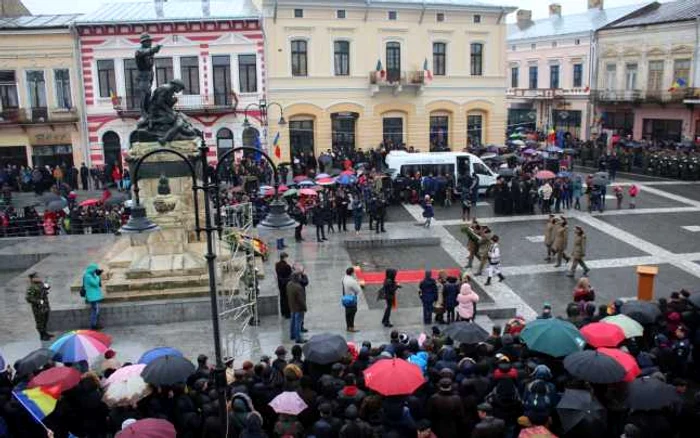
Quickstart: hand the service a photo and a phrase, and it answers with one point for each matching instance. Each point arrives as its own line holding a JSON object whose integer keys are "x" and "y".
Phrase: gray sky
{"x": 538, "y": 7}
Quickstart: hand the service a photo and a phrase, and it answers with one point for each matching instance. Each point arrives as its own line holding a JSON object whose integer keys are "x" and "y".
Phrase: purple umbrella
{"x": 529, "y": 151}
{"x": 149, "y": 428}
{"x": 288, "y": 403}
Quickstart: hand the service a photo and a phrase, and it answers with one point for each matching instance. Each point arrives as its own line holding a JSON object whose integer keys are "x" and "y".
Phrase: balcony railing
{"x": 644, "y": 96}
{"x": 536, "y": 93}
{"x": 397, "y": 80}
{"x": 40, "y": 115}
{"x": 188, "y": 104}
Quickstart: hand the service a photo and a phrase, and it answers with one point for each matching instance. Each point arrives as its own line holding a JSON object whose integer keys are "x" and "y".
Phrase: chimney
{"x": 206, "y": 8}
{"x": 595, "y": 4}
{"x": 555, "y": 10}
{"x": 524, "y": 17}
{"x": 159, "y": 8}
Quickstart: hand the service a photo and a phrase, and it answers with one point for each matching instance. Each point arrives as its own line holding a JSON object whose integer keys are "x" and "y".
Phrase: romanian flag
{"x": 380, "y": 73}
{"x": 114, "y": 98}
{"x": 551, "y": 136}
{"x": 276, "y": 143}
{"x": 678, "y": 83}
{"x": 40, "y": 401}
{"x": 426, "y": 71}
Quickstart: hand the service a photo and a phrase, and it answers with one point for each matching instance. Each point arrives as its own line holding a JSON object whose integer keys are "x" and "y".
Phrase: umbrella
{"x": 288, "y": 403}
{"x": 600, "y": 181}
{"x": 694, "y": 299}
{"x": 57, "y": 205}
{"x": 300, "y": 178}
{"x": 650, "y": 393}
{"x": 570, "y": 151}
{"x": 393, "y": 377}
{"x": 237, "y": 189}
{"x": 148, "y": 428}
{"x": 102, "y": 337}
{"x": 335, "y": 172}
{"x": 325, "y": 348}
{"x": 89, "y": 202}
{"x": 282, "y": 188}
{"x": 601, "y": 334}
{"x": 345, "y": 180}
{"x": 116, "y": 199}
{"x": 291, "y": 192}
{"x": 466, "y": 332}
{"x": 643, "y": 312}
{"x": 306, "y": 183}
{"x": 507, "y": 173}
{"x": 64, "y": 378}
{"x": 632, "y": 328}
{"x": 348, "y": 172}
{"x": 545, "y": 174}
{"x": 554, "y": 337}
{"x": 564, "y": 174}
{"x": 125, "y": 392}
{"x": 578, "y": 408}
{"x": 2, "y": 363}
{"x": 167, "y": 370}
{"x": 74, "y": 347}
{"x": 628, "y": 362}
{"x": 155, "y": 353}
{"x": 125, "y": 373}
{"x": 554, "y": 149}
{"x": 33, "y": 361}
{"x": 517, "y": 135}
{"x": 594, "y": 367}
{"x": 529, "y": 151}
{"x": 325, "y": 181}
{"x": 360, "y": 165}
{"x": 322, "y": 176}
{"x": 518, "y": 143}
{"x": 308, "y": 192}
{"x": 49, "y": 197}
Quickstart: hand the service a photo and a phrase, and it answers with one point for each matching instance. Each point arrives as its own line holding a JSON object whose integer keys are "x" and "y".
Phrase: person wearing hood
{"x": 467, "y": 299}
{"x": 252, "y": 426}
{"x": 428, "y": 291}
{"x": 350, "y": 394}
{"x": 388, "y": 291}
{"x": 92, "y": 284}
{"x": 445, "y": 411}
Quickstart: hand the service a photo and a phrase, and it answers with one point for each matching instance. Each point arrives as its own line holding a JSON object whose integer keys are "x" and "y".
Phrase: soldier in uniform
{"x": 38, "y": 297}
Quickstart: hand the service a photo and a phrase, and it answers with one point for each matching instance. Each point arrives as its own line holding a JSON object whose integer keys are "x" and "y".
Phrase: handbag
{"x": 349, "y": 300}
{"x": 381, "y": 294}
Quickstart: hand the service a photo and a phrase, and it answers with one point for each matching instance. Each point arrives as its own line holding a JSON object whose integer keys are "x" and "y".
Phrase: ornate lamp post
{"x": 263, "y": 106}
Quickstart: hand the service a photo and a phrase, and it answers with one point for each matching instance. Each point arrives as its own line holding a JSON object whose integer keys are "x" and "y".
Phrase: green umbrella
{"x": 632, "y": 328}
{"x": 291, "y": 192}
{"x": 555, "y": 337}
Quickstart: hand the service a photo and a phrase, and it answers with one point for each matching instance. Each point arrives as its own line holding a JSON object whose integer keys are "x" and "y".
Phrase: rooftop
{"x": 593, "y": 19}
{"x": 145, "y": 12}
{"x": 658, "y": 13}
{"x": 37, "y": 22}
{"x": 418, "y": 4}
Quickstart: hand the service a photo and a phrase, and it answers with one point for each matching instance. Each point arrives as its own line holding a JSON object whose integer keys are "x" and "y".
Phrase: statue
{"x": 163, "y": 185}
{"x": 144, "y": 63}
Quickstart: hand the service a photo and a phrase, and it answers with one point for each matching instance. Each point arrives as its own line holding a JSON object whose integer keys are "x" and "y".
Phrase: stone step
{"x": 150, "y": 295}
{"x": 156, "y": 284}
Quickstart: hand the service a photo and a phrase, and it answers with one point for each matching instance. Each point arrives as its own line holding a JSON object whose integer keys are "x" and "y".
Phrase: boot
{"x": 488, "y": 282}
{"x": 501, "y": 278}
{"x": 585, "y": 272}
{"x": 44, "y": 336}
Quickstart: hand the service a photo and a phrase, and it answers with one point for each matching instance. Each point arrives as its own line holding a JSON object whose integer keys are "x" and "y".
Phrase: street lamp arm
{"x": 269, "y": 104}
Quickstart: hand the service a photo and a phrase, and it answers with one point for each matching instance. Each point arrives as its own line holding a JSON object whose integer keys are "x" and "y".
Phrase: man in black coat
{"x": 284, "y": 273}
{"x": 84, "y": 176}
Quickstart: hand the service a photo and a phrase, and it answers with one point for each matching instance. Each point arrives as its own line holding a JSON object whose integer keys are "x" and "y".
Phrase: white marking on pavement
{"x": 692, "y": 228}
{"x": 667, "y": 195}
{"x": 535, "y": 239}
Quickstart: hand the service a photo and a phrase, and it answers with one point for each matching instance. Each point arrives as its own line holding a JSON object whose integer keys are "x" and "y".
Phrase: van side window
{"x": 480, "y": 169}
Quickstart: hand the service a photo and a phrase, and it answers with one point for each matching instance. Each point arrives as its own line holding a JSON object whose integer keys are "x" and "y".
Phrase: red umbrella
{"x": 300, "y": 178}
{"x": 308, "y": 192}
{"x": 282, "y": 188}
{"x": 545, "y": 174}
{"x": 601, "y": 334}
{"x": 148, "y": 428}
{"x": 393, "y": 377}
{"x": 89, "y": 202}
{"x": 63, "y": 377}
{"x": 628, "y": 362}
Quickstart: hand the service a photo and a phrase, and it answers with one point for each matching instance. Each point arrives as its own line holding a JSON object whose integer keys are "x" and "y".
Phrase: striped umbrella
{"x": 74, "y": 347}
{"x": 104, "y": 338}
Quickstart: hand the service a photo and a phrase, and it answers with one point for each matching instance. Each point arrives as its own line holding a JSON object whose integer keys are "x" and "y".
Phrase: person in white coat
{"x": 494, "y": 261}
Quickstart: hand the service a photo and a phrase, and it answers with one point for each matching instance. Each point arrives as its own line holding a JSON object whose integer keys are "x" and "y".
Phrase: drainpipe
{"x": 81, "y": 108}
{"x": 422, "y": 13}
{"x": 367, "y": 5}
{"x": 592, "y": 77}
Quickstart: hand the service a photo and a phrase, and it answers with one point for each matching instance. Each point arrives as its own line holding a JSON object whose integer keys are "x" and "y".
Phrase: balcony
{"x": 38, "y": 116}
{"x": 661, "y": 97}
{"x": 535, "y": 93}
{"x": 396, "y": 81}
{"x": 188, "y": 104}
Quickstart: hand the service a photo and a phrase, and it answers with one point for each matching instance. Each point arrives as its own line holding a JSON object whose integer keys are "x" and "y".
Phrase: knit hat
{"x": 110, "y": 354}
{"x": 292, "y": 372}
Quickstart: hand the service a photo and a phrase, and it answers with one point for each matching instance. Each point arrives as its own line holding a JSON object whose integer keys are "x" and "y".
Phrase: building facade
{"x": 550, "y": 68}
{"x": 215, "y": 48}
{"x": 40, "y": 105}
{"x": 352, "y": 74}
{"x": 647, "y": 73}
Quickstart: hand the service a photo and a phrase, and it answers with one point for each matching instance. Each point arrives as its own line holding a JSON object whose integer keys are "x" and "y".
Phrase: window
{"x": 439, "y": 128}
{"x": 8, "y": 89}
{"x": 62, "y": 82}
{"x": 298, "y": 13}
{"x": 681, "y": 71}
{"x": 533, "y": 46}
{"x": 439, "y": 59}
{"x": 189, "y": 73}
{"x": 37, "y": 88}
{"x": 393, "y": 61}
{"x": 532, "y": 77}
{"x": 392, "y": 15}
{"x": 440, "y": 17}
{"x": 554, "y": 43}
{"x": 299, "y": 58}
{"x": 248, "y": 73}
{"x": 164, "y": 70}
{"x": 477, "y": 54}
{"x": 340, "y": 13}
{"x": 105, "y": 77}
{"x": 578, "y": 75}
{"x": 131, "y": 79}
{"x": 341, "y": 58}
{"x": 221, "y": 75}
{"x": 656, "y": 75}
{"x": 514, "y": 75}
{"x": 475, "y": 132}
{"x": 610, "y": 76}
{"x": 577, "y": 41}
{"x": 554, "y": 76}
{"x": 477, "y": 18}
{"x": 393, "y": 130}
{"x": 631, "y": 76}
{"x": 301, "y": 137}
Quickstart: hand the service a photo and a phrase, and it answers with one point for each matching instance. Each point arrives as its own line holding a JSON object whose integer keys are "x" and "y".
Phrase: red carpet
{"x": 405, "y": 276}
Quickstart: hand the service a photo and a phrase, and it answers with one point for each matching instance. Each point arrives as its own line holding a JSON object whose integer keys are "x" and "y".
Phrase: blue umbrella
{"x": 345, "y": 180}
{"x": 306, "y": 183}
{"x": 564, "y": 174}
{"x": 157, "y": 352}
{"x": 555, "y": 149}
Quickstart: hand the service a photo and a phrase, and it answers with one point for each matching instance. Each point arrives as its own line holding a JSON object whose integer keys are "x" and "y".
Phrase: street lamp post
{"x": 277, "y": 218}
{"x": 263, "y": 106}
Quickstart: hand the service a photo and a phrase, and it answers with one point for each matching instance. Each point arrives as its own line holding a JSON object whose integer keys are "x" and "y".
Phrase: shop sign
{"x": 49, "y": 137}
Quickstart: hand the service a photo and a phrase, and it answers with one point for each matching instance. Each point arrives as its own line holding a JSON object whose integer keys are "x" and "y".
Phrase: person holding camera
{"x": 38, "y": 297}
{"x": 92, "y": 290}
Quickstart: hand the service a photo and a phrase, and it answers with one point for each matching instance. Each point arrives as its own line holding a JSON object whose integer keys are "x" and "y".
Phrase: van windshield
{"x": 409, "y": 170}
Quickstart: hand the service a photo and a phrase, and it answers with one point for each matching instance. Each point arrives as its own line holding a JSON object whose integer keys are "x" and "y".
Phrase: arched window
{"x": 224, "y": 141}
{"x": 111, "y": 146}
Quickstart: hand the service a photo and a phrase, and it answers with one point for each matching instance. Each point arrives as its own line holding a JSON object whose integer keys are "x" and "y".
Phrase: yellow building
{"x": 351, "y": 74}
{"x": 40, "y": 100}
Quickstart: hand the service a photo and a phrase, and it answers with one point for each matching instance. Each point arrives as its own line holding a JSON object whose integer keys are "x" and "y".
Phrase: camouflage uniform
{"x": 38, "y": 297}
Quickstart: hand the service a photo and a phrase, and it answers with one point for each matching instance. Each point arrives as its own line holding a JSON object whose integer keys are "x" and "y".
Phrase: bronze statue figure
{"x": 144, "y": 63}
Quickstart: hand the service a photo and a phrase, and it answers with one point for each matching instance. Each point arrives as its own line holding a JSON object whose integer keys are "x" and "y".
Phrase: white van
{"x": 438, "y": 163}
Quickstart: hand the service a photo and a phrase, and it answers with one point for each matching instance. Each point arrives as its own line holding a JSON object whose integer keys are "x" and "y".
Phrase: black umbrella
{"x": 466, "y": 332}
{"x": 49, "y": 197}
{"x": 57, "y": 205}
{"x": 116, "y": 199}
{"x": 594, "y": 367}
{"x": 580, "y": 410}
{"x": 506, "y": 173}
{"x": 643, "y": 312}
{"x": 33, "y": 361}
{"x": 695, "y": 299}
{"x": 335, "y": 172}
{"x": 325, "y": 348}
{"x": 650, "y": 393}
{"x": 168, "y": 370}
{"x": 600, "y": 181}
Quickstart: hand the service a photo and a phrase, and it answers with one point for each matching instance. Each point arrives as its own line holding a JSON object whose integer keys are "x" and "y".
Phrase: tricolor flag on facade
{"x": 426, "y": 71}
{"x": 380, "y": 73}
{"x": 678, "y": 83}
{"x": 276, "y": 143}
